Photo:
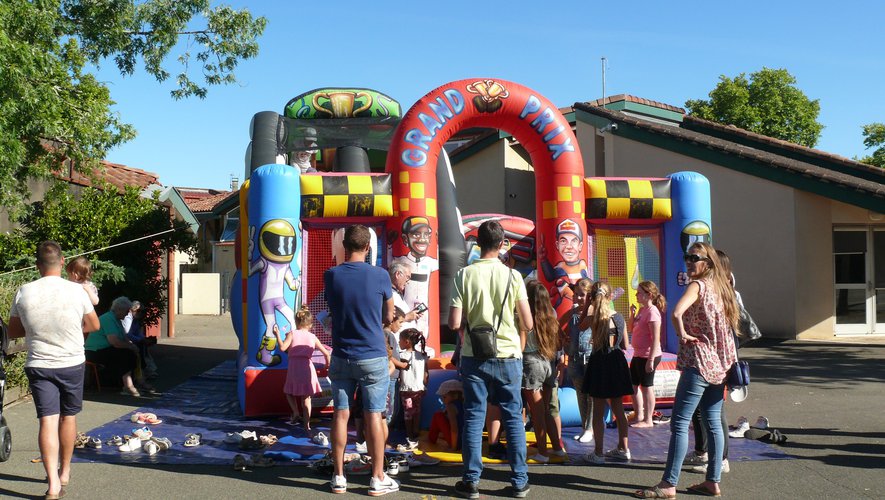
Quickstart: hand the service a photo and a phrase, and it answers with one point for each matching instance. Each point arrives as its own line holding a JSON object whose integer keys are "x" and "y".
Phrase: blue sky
{"x": 664, "y": 51}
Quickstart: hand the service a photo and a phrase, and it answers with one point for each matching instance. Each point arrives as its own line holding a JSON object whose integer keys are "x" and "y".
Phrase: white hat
{"x": 739, "y": 393}
{"x": 449, "y": 386}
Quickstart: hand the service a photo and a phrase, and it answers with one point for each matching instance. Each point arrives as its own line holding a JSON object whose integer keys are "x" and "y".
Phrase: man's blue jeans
{"x": 693, "y": 392}
{"x": 495, "y": 381}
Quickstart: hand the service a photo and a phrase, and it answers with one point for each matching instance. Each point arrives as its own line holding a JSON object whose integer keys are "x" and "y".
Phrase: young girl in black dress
{"x": 607, "y": 375}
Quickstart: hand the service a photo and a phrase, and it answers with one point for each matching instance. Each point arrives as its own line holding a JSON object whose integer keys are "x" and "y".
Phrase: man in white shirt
{"x": 52, "y": 315}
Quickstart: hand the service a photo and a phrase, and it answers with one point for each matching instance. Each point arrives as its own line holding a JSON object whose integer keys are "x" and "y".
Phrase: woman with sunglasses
{"x": 704, "y": 318}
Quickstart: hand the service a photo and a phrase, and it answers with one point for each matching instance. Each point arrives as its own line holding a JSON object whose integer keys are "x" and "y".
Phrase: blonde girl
{"x": 80, "y": 271}
{"x": 646, "y": 342}
{"x": 579, "y": 348}
{"x": 607, "y": 375}
{"x": 301, "y": 377}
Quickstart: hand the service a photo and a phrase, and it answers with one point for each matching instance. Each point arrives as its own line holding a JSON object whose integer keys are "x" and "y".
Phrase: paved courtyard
{"x": 826, "y": 397}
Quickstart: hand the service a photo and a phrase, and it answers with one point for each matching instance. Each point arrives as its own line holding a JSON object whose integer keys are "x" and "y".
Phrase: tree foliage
{"x": 53, "y": 109}
{"x": 874, "y": 137}
{"x": 100, "y": 218}
{"x": 767, "y": 102}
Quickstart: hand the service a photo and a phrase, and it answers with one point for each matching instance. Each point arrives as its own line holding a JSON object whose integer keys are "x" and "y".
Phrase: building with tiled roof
{"x": 805, "y": 229}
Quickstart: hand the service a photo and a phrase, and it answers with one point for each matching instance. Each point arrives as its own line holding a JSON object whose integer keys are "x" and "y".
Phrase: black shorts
{"x": 57, "y": 391}
{"x": 637, "y": 372}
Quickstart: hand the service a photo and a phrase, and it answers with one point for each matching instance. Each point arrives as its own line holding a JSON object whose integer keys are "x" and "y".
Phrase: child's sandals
{"x": 193, "y": 439}
{"x": 268, "y": 440}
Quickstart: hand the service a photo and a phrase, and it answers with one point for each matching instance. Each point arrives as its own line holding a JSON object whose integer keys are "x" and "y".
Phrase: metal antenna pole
{"x": 604, "y": 60}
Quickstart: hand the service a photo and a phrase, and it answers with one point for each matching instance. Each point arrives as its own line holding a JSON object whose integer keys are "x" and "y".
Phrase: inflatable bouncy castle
{"x": 390, "y": 172}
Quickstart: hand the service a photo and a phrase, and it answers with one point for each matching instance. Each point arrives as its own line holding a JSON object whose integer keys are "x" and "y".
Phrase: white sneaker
{"x": 321, "y": 439}
{"x": 594, "y": 459}
{"x": 133, "y": 444}
{"x": 618, "y": 455}
{"x": 358, "y": 467}
{"x": 392, "y": 469}
{"x": 584, "y": 437}
{"x": 701, "y": 469}
{"x": 338, "y": 484}
{"x": 742, "y": 427}
{"x": 151, "y": 448}
{"x": 383, "y": 486}
{"x": 413, "y": 445}
{"x": 695, "y": 458}
{"x": 362, "y": 447}
{"x": 761, "y": 423}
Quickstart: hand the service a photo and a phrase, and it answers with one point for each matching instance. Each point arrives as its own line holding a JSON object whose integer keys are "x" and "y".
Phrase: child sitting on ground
{"x": 449, "y": 422}
{"x": 413, "y": 381}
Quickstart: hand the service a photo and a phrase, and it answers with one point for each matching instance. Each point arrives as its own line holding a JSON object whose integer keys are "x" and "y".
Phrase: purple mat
{"x": 208, "y": 405}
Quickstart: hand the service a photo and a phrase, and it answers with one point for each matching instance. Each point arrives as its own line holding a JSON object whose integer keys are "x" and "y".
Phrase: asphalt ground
{"x": 826, "y": 397}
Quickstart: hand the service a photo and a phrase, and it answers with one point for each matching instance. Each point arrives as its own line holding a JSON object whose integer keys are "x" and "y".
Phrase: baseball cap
{"x": 568, "y": 226}
{"x": 415, "y": 222}
{"x": 449, "y": 386}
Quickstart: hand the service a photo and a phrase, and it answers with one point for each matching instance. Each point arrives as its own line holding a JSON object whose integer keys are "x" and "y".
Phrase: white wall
{"x": 200, "y": 293}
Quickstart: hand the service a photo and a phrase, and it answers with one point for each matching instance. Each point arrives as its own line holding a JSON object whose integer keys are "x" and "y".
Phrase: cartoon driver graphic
{"x": 417, "y": 235}
{"x": 276, "y": 244}
{"x": 569, "y": 243}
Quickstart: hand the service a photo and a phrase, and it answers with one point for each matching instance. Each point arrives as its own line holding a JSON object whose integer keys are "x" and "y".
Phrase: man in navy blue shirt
{"x": 359, "y": 297}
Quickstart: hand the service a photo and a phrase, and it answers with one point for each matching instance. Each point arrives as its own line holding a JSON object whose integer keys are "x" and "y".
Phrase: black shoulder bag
{"x": 483, "y": 339}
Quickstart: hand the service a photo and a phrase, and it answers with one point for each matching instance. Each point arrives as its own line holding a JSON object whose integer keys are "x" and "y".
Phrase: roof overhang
{"x": 170, "y": 197}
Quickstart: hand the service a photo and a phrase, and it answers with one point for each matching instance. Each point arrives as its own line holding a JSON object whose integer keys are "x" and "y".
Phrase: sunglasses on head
{"x": 693, "y": 258}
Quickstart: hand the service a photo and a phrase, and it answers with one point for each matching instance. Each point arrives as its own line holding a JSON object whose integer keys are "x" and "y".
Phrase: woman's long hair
{"x": 600, "y": 299}
{"x": 654, "y": 293}
{"x": 546, "y": 325}
{"x": 721, "y": 278}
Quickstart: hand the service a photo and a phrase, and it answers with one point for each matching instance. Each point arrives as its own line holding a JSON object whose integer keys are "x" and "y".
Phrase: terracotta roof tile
{"x": 208, "y": 203}
{"x": 116, "y": 174}
{"x": 637, "y": 100}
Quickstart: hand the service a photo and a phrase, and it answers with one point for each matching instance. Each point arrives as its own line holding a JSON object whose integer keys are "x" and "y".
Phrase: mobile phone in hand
{"x": 420, "y": 308}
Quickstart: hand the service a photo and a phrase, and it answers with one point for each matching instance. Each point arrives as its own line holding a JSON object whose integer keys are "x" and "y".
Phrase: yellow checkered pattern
{"x": 628, "y": 198}
{"x": 353, "y": 195}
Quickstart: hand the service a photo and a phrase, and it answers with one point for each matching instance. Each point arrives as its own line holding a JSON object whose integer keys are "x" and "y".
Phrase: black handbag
{"x": 484, "y": 339}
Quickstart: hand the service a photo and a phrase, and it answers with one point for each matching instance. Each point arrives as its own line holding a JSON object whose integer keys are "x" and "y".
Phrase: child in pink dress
{"x": 301, "y": 378}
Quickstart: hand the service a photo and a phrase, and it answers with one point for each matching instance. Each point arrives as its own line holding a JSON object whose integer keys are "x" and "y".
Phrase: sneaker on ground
{"x": 761, "y": 423}
{"x": 419, "y": 460}
{"x": 466, "y": 490}
{"x": 520, "y": 492}
{"x": 742, "y": 427}
{"x": 537, "y": 457}
{"x": 358, "y": 467}
{"x": 362, "y": 447}
{"x": 702, "y": 469}
{"x": 618, "y": 455}
{"x": 320, "y": 439}
{"x": 338, "y": 484}
{"x": 383, "y": 486}
{"x": 584, "y": 437}
{"x": 412, "y": 445}
{"x": 559, "y": 453}
{"x": 593, "y": 458}
{"x": 392, "y": 468}
{"x": 695, "y": 458}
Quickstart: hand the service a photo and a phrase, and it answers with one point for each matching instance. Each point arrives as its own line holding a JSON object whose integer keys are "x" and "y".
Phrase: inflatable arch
{"x": 546, "y": 136}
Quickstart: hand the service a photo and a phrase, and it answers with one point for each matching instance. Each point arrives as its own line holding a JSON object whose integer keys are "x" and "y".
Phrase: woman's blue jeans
{"x": 694, "y": 392}
{"x": 495, "y": 381}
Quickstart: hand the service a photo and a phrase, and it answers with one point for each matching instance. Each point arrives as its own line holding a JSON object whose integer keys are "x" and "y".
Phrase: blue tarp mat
{"x": 208, "y": 405}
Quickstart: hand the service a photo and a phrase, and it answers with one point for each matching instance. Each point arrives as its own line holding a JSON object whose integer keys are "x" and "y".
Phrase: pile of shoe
{"x": 255, "y": 462}
{"x": 84, "y": 441}
{"x": 148, "y": 443}
{"x": 145, "y": 418}
{"x": 761, "y": 431}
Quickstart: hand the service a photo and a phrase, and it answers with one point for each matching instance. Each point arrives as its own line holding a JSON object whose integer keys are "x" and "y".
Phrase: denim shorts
{"x": 372, "y": 377}
{"x": 57, "y": 391}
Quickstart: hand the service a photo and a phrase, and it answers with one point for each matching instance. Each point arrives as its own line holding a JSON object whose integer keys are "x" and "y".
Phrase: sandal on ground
{"x": 163, "y": 443}
{"x": 56, "y": 496}
{"x": 130, "y": 392}
{"x": 115, "y": 441}
{"x": 261, "y": 461}
{"x": 81, "y": 440}
{"x": 93, "y": 442}
{"x": 194, "y": 439}
{"x": 700, "y": 489}
{"x": 653, "y": 492}
{"x": 268, "y": 440}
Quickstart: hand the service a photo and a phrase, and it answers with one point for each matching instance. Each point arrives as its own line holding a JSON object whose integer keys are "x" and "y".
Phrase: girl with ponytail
{"x": 301, "y": 376}
{"x": 646, "y": 342}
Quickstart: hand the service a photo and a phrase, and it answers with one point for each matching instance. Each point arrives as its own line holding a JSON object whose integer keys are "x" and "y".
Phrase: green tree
{"x": 53, "y": 110}
{"x": 101, "y": 218}
{"x": 874, "y": 137}
{"x": 767, "y": 103}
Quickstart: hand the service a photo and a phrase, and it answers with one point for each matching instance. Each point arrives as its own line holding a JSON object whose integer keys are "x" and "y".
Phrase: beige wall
{"x": 200, "y": 293}
{"x": 814, "y": 295}
{"x": 479, "y": 183}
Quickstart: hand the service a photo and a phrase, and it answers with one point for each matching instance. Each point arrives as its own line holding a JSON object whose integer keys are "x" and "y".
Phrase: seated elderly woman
{"x": 109, "y": 346}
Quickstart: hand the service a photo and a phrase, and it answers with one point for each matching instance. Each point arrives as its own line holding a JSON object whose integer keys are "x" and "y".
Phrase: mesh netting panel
{"x": 624, "y": 258}
{"x": 316, "y": 259}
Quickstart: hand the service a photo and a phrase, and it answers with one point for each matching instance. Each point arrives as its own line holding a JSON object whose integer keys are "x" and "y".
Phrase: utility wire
{"x": 96, "y": 250}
